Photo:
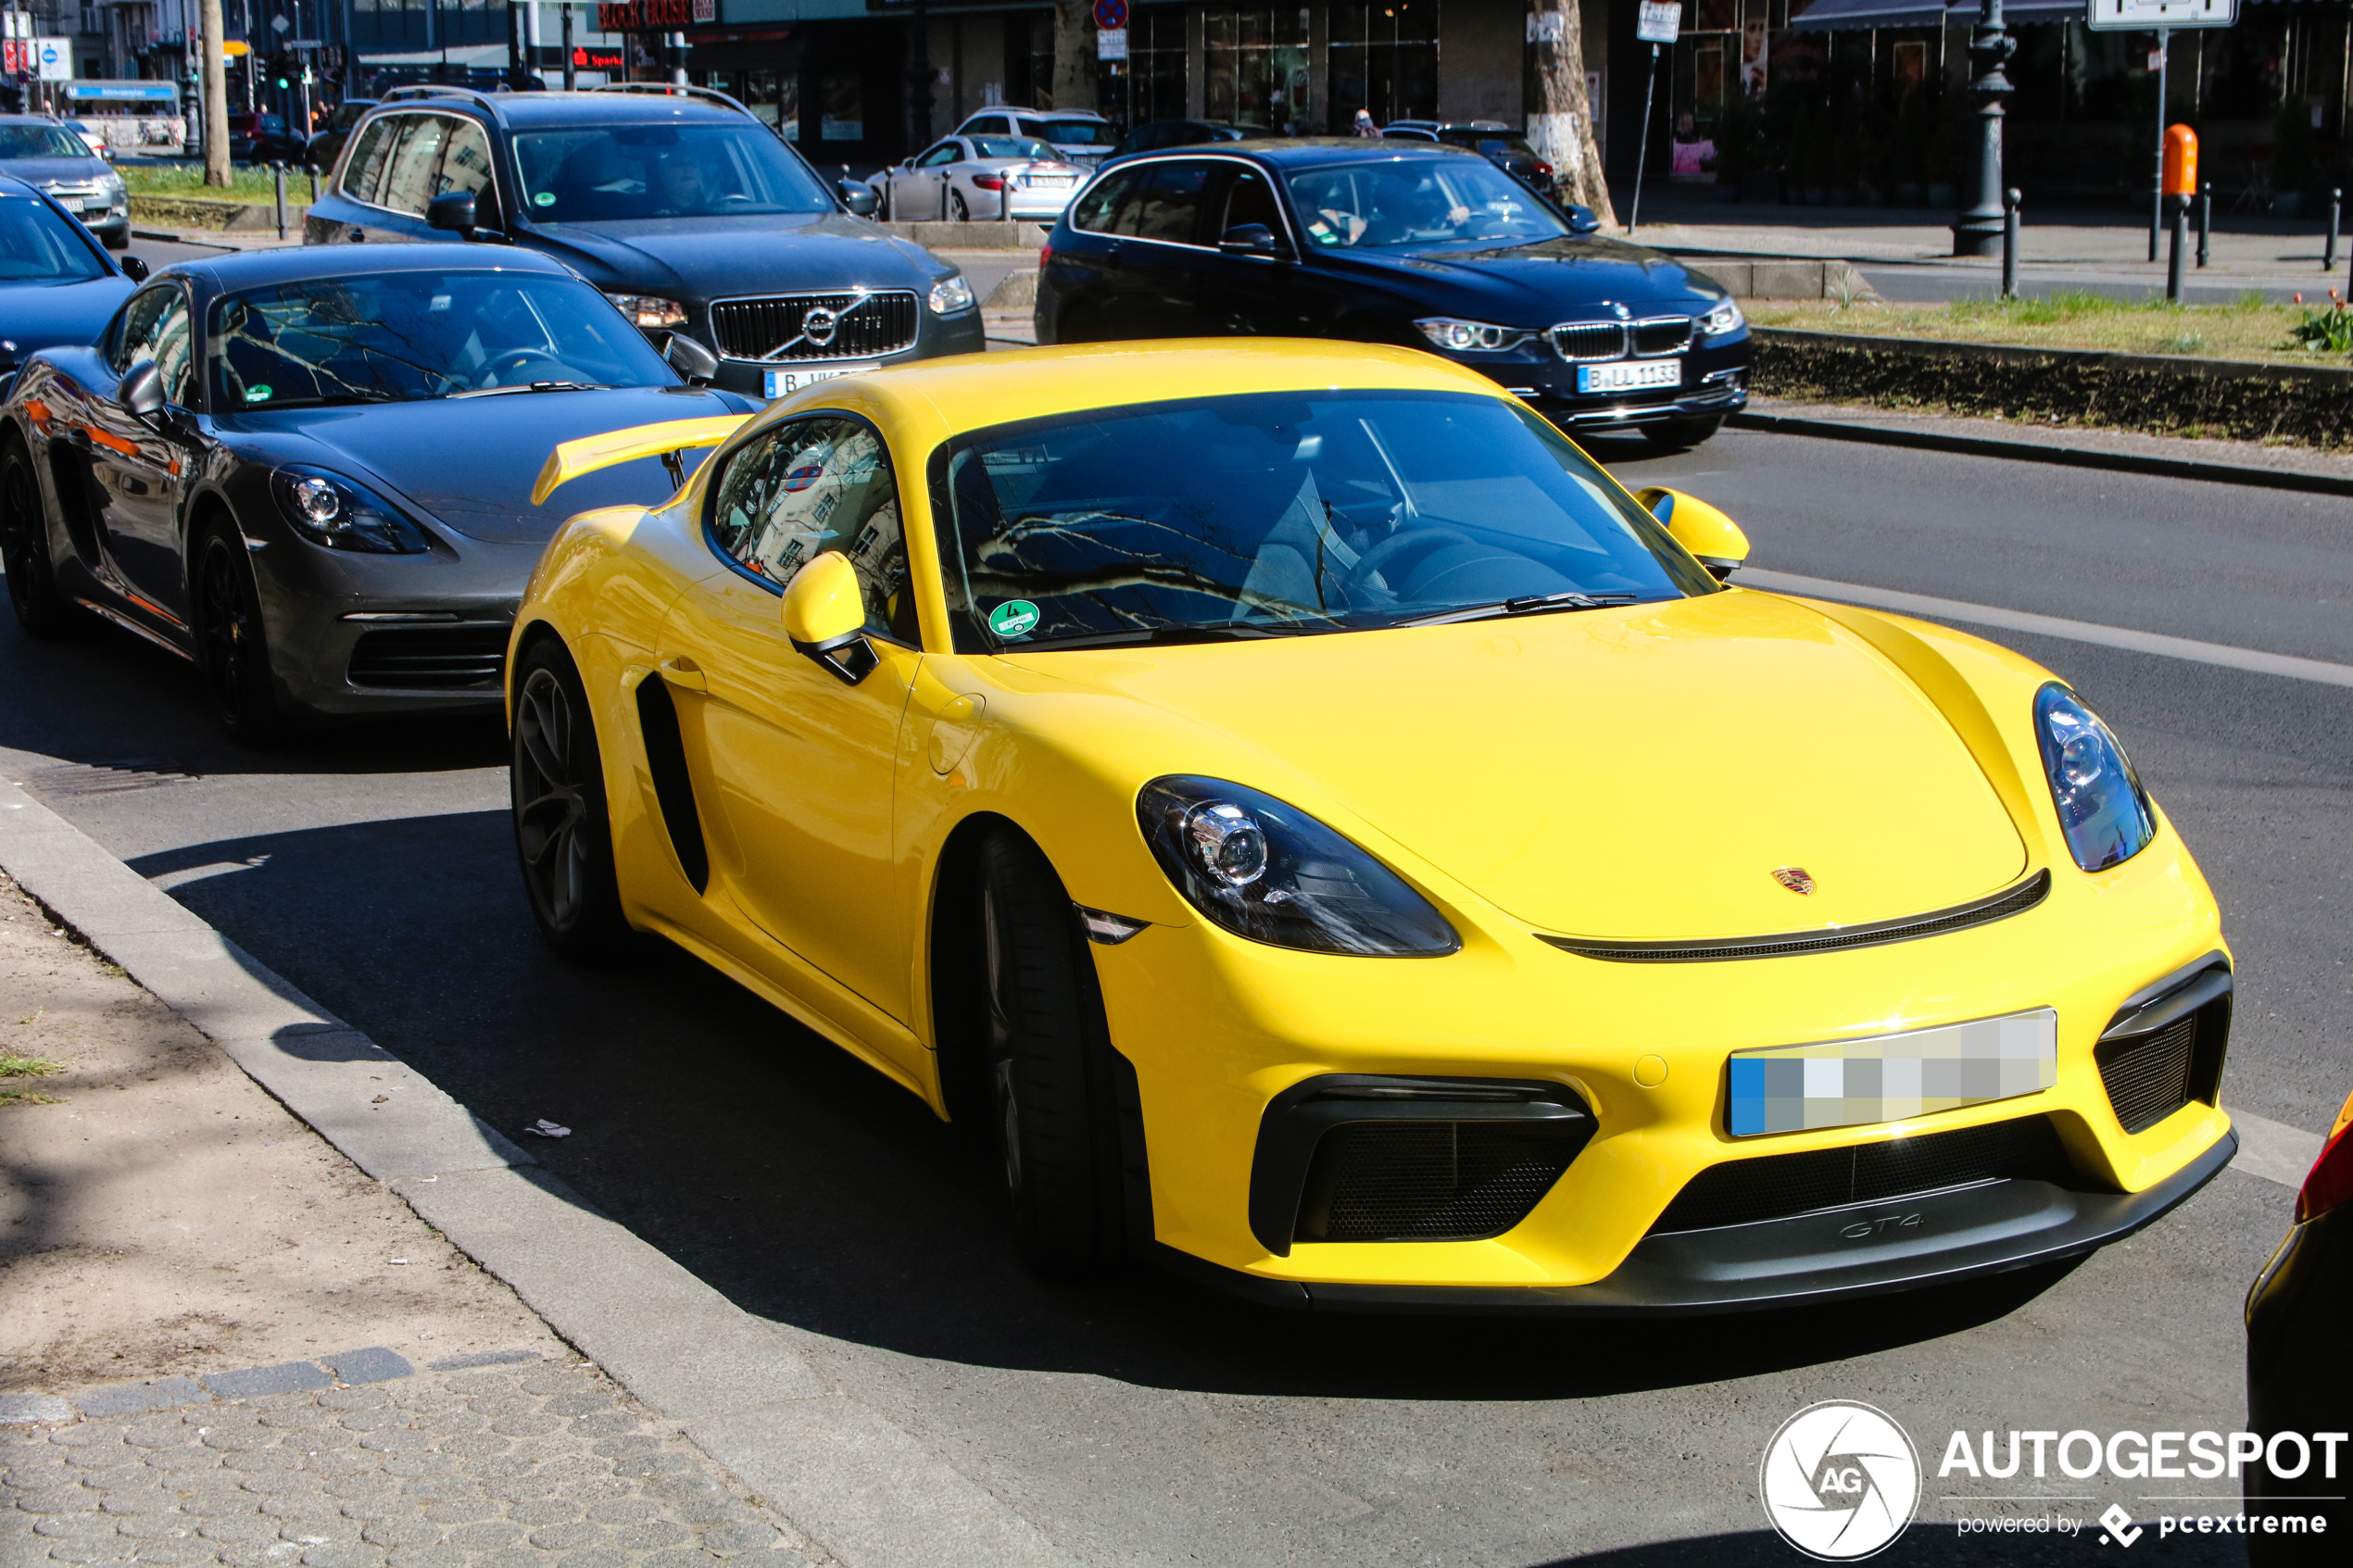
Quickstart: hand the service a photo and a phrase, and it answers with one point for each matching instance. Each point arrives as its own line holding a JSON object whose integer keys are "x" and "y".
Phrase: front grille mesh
{"x": 1588, "y": 340}
{"x": 1776, "y": 1186}
{"x": 2151, "y": 1076}
{"x": 1429, "y": 1181}
{"x": 1663, "y": 334}
{"x": 431, "y": 658}
{"x": 866, "y": 325}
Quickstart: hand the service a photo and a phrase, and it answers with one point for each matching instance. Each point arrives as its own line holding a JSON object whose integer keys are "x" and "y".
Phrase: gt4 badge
{"x": 1797, "y": 879}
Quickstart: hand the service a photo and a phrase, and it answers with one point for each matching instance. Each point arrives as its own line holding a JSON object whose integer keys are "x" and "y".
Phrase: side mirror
{"x": 453, "y": 211}
{"x": 690, "y": 359}
{"x": 1248, "y": 239}
{"x": 859, "y": 197}
{"x": 1583, "y": 219}
{"x": 141, "y": 390}
{"x": 825, "y": 617}
{"x": 1716, "y": 539}
{"x": 133, "y": 268}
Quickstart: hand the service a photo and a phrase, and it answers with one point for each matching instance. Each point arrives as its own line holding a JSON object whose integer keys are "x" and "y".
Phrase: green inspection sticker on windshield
{"x": 256, "y": 394}
{"x": 544, "y": 198}
{"x": 1015, "y": 618}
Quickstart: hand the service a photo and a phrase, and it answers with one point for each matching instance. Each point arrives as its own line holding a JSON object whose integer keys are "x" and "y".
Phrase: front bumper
{"x": 959, "y": 333}
{"x": 1714, "y": 383}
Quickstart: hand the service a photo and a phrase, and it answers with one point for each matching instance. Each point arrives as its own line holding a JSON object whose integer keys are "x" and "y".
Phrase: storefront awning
{"x": 1841, "y": 15}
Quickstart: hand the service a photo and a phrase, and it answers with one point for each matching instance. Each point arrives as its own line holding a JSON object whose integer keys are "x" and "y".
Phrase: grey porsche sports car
{"x": 310, "y": 471}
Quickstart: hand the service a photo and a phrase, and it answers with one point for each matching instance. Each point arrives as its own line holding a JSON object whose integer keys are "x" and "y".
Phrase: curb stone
{"x": 864, "y": 1487}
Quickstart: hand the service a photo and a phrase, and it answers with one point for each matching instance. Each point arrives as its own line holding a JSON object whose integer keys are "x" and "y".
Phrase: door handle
{"x": 684, "y": 672}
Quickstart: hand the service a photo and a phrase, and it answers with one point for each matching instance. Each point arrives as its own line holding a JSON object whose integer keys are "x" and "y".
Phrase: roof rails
{"x": 673, "y": 89}
{"x": 441, "y": 90}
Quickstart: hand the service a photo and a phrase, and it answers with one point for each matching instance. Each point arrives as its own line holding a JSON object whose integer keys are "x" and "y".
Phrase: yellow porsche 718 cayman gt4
{"x": 1341, "y": 842}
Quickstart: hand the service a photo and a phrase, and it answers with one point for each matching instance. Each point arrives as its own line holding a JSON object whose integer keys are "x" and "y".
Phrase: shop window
{"x": 1149, "y": 84}
{"x": 1255, "y": 66}
{"x": 1384, "y": 58}
{"x": 841, "y": 108}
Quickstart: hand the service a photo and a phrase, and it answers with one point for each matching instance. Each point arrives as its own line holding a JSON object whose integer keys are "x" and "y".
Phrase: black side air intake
{"x": 674, "y": 786}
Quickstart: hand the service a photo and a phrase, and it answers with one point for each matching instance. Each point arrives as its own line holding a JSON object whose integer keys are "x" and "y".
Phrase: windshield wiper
{"x": 1224, "y": 632}
{"x": 530, "y": 386}
{"x": 1533, "y": 604}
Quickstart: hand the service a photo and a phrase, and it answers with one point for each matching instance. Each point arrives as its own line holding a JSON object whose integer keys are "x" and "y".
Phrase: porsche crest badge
{"x": 1797, "y": 879}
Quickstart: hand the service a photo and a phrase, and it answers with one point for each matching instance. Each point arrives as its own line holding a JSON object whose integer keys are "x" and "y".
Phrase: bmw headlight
{"x": 1724, "y": 318}
{"x": 343, "y": 514}
{"x": 1462, "y": 337}
{"x": 950, "y": 295}
{"x": 2101, "y": 806}
{"x": 649, "y": 312}
{"x": 1273, "y": 873}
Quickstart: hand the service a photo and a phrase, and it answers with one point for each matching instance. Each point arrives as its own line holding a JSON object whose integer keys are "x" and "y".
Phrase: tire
{"x": 1681, "y": 435}
{"x": 233, "y": 642}
{"x": 117, "y": 239}
{"x": 563, "y": 832}
{"x": 1051, "y": 1069}
{"x": 957, "y": 211}
{"x": 41, "y": 608}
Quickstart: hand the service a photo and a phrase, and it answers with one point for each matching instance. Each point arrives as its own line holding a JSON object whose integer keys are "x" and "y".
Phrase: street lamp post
{"x": 1977, "y": 230}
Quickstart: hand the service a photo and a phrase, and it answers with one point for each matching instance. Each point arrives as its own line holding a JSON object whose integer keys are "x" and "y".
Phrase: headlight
{"x": 1725, "y": 318}
{"x": 1461, "y": 337}
{"x": 2101, "y": 806}
{"x": 651, "y": 310}
{"x": 343, "y": 514}
{"x": 1273, "y": 873}
{"x": 950, "y": 295}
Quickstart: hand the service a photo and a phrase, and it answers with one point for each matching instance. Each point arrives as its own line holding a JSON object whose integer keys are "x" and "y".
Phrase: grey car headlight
{"x": 649, "y": 312}
{"x": 1725, "y": 316}
{"x": 950, "y": 295}
{"x": 343, "y": 514}
{"x": 1463, "y": 337}
{"x": 1271, "y": 872}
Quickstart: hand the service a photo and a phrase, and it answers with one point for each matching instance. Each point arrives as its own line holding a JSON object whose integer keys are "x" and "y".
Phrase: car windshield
{"x": 402, "y": 336}
{"x": 41, "y": 140}
{"x": 614, "y": 173}
{"x": 1072, "y": 133}
{"x": 38, "y": 246}
{"x": 1266, "y": 513}
{"x": 1409, "y": 201}
{"x": 1011, "y": 146}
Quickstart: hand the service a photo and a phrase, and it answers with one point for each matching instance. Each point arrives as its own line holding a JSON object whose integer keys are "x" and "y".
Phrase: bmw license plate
{"x": 784, "y": 384}
{"x": 1630, "y": 376}
{"x": 1892, "y": 1077}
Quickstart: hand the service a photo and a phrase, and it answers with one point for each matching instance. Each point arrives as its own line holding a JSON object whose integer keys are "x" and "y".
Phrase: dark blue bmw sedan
{"x": 1429, "y": 246}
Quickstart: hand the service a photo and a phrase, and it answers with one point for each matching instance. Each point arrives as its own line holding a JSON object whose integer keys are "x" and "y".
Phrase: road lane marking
{"x": 2053, "y": 626}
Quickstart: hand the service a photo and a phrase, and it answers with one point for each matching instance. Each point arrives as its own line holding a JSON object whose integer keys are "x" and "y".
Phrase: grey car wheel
{"x": 563, "y": 833}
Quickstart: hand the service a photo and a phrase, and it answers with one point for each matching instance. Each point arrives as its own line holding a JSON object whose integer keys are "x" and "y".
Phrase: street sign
{"x": 2151, "y": 15}
{"x": 55, "y": 56}
{"x": 236, "y": 46}
{"x": 1111, "y": 15}
{"x": 1110, "y": 44}
{"x": 1657, "y": 23}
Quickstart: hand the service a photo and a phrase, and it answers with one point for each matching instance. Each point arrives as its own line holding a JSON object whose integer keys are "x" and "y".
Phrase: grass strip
{"x": 2248, "y": 328}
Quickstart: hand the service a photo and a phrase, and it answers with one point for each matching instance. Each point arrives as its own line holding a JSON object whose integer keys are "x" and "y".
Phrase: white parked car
{"x": 964, "y": 179}
{"x": 1077, "y": 137}
{"x": 96, "y": 143}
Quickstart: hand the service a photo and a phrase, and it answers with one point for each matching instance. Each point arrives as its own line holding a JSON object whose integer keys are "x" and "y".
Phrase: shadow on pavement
{"x": 812, "y": 1191}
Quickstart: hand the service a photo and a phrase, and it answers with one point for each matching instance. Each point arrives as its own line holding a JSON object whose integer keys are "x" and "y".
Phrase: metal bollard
{"x": 314, "y": 184}
{"x": 2012, "y": 201}
{"x": 2336, "y": 212}
{"x": 2174, "y": 258}
{"x": 278, "y": 179}
{"x": 2205, "y": 220}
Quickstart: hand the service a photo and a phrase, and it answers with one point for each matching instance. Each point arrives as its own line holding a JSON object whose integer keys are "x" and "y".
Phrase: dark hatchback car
{"x": 57, "y": 284}
{"x": 2300, "y": 1369}
{"x": 310, "y": 471}
{"x": 1388, "y": 241}
{"x": 1492, "y": 140}
{"x": 690, "y": 212}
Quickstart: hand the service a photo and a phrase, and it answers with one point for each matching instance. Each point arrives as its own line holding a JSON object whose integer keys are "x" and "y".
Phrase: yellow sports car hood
{"x": 1635, "y": 774}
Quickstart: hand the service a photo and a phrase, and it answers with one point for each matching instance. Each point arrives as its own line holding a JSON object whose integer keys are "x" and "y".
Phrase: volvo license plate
{"x": 1629, "y": 377}
{"x": 1892, "y": 1077}
{"x": 784, "y": 384}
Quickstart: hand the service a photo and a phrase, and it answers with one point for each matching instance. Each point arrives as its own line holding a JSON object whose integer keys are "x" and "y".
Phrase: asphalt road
{"x": 1143, "y": 1423}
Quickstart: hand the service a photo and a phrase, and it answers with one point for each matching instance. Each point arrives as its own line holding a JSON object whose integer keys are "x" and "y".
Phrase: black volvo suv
{"x": 690, "y": 213}
{"x": 1429, "y": 246}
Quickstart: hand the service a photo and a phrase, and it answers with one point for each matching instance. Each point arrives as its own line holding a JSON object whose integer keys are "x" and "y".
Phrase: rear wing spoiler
{"x": 591, "y": 453}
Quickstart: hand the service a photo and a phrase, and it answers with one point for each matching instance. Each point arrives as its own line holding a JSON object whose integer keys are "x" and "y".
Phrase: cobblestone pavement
{"x": 513, "y": 1468}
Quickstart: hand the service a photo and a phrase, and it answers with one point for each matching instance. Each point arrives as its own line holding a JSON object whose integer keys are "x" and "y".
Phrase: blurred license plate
{"x": 1627, "y": 378}
{"x": 1048, "y": 181}
{"x": 784, "y": 384}
{"x": 1892, "y": 1077}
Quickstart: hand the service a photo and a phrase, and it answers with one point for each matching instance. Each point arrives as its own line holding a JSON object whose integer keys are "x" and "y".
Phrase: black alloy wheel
{"x": 233, "y": 644}
{"x": 1051, "y": 1068}
{"x": 563, "y": 833}
{"x": 1681, "y": 435}
{"x": 41, "y": 609}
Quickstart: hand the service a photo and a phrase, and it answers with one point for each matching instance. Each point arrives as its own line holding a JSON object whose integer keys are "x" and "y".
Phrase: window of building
{"x": 1384, "y": 58}
{"x": 1254, "y": 65}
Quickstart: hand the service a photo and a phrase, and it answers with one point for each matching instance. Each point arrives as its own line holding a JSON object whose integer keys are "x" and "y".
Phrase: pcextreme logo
{"x": 1840, "y": 1481}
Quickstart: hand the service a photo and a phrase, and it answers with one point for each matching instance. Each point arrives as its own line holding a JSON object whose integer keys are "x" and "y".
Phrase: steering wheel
{"x": 1405, "y": 541}
{"x": 507, "y": 368}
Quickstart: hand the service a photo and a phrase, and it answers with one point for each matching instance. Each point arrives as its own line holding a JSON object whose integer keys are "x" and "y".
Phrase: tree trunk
{"x": 1560, "y": 121}
{"x": 1073, "y": 56}
{"x": 215, "y": 87}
